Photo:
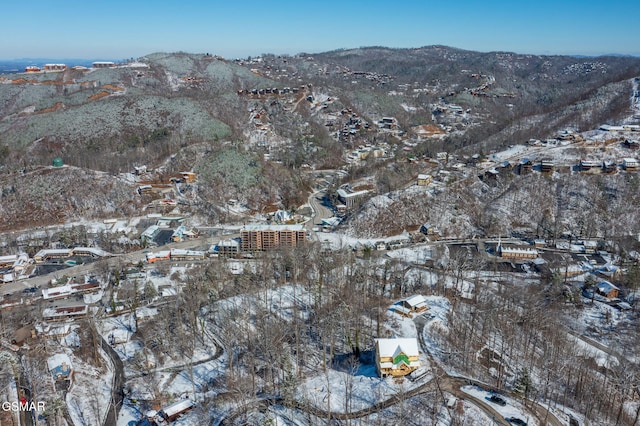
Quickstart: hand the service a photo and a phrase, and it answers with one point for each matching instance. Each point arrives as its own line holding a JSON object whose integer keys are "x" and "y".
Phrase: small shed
{"x": 57, "y": 162}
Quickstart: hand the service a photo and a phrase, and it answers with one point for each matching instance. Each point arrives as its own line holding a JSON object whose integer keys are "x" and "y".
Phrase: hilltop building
{"x": 103, "y": 64}
{"x": 630, "y": 164}
{"x": 54, "y": 67}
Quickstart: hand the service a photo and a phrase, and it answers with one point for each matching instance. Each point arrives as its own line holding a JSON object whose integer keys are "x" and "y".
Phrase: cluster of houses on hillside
{"x": 273, "y": 91}
{"x": 350, "y": 127}
{"x": 54, "y": 316}
{"x": 547, "y": 166}
{"x": 491, "y": 168}
{"x": 389, "y": 125}
{"x": 622, "y": 128}
{"x": 375, "y": 77}
{"x": 63, "y": 67}
{"x": 161, "y": 188}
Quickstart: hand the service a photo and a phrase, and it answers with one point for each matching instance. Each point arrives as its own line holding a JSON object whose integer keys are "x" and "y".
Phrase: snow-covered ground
{"x": 175, "y": 379}
{"x": 89, "y": 396}
{"x": 170, "y": 385}
{"x": 417, "y": 255}
{"x": 347, "y": 392}
{"x": 601, "y": 358}
{"x": 435, "y": 329}
{"x": 600, "y": 316}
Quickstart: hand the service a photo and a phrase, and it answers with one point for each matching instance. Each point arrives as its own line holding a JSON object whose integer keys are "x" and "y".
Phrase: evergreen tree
{"x": 523, "y": 385}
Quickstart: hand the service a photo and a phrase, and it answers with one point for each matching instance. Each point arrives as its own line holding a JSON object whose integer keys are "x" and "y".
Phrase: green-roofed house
{"x": 397, "y": 357}
{"x": 57, "y": 162}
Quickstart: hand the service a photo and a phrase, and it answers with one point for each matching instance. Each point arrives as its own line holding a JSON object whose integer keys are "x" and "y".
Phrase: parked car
{"x": 497, "y": 400}
{"x": 516, "y": 421}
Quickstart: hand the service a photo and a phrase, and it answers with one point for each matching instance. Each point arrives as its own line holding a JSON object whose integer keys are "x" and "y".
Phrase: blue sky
{"x": 121, "y": 29}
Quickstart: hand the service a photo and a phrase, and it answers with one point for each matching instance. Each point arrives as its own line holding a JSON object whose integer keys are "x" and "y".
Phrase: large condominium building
{"x": 266, "y": 237}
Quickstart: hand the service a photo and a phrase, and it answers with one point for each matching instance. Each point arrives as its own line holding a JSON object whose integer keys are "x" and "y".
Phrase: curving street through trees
{"x": 442, "y": 381}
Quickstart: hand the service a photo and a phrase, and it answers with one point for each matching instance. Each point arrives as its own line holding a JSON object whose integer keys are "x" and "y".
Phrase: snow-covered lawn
{"x": 600, "y": 316}
{"x": 348, "y": 392}
{"x": 170, "y": 385}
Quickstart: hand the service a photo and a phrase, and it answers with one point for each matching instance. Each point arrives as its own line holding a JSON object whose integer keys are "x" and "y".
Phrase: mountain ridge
{"x": 182, "y": 111}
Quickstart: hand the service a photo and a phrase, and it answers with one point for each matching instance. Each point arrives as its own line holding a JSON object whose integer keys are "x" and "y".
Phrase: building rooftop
{"x": 259, "y": 227}
{"x": 417, "y": 301}
{"x": 392, "y": 347}
{"x": 56, "y": 361}
{"x": 178, "y": 407}
{"x": 345, "y": 194}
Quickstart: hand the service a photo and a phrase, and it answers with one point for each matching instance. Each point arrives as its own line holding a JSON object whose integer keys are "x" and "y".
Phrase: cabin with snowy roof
{"x": 415, "y": 304}
{"x": 608, "y": 290}
{"x": 397, "y": 357}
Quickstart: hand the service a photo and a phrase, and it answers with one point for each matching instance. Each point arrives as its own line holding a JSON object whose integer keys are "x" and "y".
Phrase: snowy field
{"x": 348, "y": 392}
